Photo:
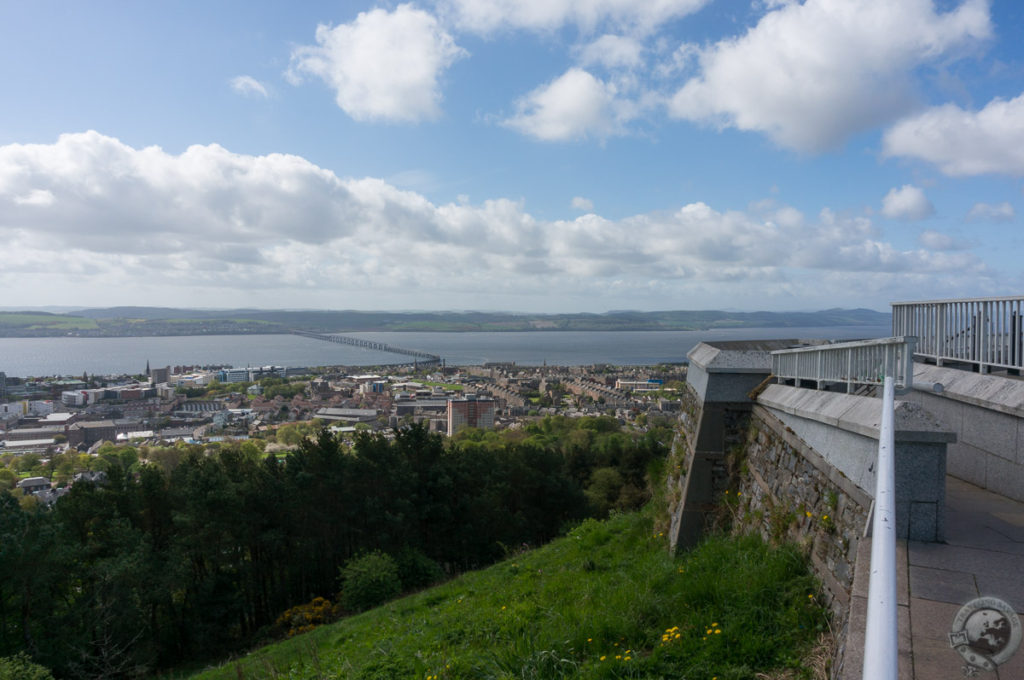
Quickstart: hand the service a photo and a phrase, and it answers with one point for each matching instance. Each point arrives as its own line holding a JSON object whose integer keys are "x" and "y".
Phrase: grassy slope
{"x": 607, "y": 601}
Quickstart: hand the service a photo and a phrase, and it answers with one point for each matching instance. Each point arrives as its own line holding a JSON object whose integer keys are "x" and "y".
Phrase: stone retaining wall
{"x": 787, "y": 492}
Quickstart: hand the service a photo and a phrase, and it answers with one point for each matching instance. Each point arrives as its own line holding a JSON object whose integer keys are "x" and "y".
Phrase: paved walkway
{"x": 983, "y": 556}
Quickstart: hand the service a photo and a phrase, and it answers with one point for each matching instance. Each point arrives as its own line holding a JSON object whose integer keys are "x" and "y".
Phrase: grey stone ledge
{"x": 740, "y": 356}
{"x": 860, "y": 415}
{"x": 993, "y": 392}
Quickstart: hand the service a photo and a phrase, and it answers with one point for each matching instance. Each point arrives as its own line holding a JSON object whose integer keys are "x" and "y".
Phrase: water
{"x": 103, "y": 356}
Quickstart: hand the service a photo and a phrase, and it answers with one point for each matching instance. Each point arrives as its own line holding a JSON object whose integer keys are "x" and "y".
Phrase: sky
{"x": 530, "y": 155}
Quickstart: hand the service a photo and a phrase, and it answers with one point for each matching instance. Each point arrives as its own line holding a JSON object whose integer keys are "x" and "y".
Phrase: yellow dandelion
{"x": 718, "y": 631}
{"x": 603, "y": 658}
{"x": 618, "y": 656}
{"x": 824, "y": 516}
{"x": 502, "y": 607}
{"x": 707, "y": 632}
{"x": 627, "y": 658}
{"x": 808, "y": 513}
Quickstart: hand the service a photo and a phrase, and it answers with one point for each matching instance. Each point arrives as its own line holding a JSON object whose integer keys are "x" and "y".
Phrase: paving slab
{"x": 930, "y": 624}
{"x": 983, "y": 556}
{"x": 943, "y": 585}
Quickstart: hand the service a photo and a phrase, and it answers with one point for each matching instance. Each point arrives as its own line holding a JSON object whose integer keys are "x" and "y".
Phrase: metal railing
{"x": 863, "y": 362}
{"x": 881, "y": 641}
{"x": 988, "y": 332}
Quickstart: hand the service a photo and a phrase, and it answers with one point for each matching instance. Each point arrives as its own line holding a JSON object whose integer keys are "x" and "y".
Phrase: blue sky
{"x": 540, "y": 155}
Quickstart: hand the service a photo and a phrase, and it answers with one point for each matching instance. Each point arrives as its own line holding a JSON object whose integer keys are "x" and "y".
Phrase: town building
{"x": 470, "y": 412}
{"x": 348, "y": 415}
{"x": 34, "y": 484}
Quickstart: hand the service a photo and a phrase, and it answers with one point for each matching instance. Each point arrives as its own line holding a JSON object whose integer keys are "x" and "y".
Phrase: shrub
{"x": 416, "y": 570}
{"x": 305, "y": 617}
{"x": 369, "y": 580}
{"x": 20, "y": 667}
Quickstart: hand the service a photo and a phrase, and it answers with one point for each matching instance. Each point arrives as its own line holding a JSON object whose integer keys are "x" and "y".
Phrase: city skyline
{"x": 555, "y": 156}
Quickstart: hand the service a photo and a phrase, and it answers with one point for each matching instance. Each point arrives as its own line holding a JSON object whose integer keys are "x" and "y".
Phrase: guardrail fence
{"x": 881, "y": 639}
{"x": 888, "y": 362}
{"x": 863, "y": 362}
{"x": 987, "y": 332}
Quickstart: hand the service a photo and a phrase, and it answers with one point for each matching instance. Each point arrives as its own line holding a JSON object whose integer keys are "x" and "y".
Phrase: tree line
{"x": 164, "y": 563}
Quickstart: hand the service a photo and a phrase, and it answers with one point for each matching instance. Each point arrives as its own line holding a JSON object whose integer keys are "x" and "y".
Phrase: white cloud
{"x": 907, "y": 203}
{"x": 964, "y": 142}
{"x": 487, "y": 16}
{"x": 612, "y": 51}
{"x": 584, "y": 204}
{"x": 40, "y": 197}
{"x": 935, "y": 240}
{"x": 249, "y": 86}
{"x": 575, "y": 105}
{"x": 382, "y": 66}
{"x": 109, "y": 217}
{"x": 809, "y": 75}
{"x": 988, "y": 212}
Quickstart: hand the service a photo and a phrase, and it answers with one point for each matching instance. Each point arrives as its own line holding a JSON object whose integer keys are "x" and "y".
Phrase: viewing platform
{"x": 788, "y": 436}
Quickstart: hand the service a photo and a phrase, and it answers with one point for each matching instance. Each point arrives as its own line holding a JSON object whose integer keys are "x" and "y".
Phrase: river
{"x": 72, "y": 356}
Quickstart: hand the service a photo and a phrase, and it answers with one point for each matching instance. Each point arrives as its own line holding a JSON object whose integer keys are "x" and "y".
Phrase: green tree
{"x": 20, "y": 667}
{"x": 369, "y": 580}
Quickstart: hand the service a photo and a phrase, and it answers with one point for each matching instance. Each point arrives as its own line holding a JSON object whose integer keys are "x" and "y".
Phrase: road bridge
{"x": 419, "y": 358}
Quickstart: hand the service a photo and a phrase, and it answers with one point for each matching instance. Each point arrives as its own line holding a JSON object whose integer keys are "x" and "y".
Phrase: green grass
{"x": 606, "y": 601}
{"x": 42, "y": 320}
{"x": 448, "y": 386}
{"x": 208, "y": 321}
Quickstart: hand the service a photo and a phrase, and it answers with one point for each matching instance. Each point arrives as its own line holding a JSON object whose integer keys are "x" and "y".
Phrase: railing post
{"x": 849, "y": 371}
{"x": 881, "y": 636}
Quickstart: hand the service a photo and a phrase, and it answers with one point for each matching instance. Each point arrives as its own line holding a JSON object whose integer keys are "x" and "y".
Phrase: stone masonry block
{"x": 949, "y": 413}
{"x": 902, "y": 517}
{"x": 920, "y": 471}
{"x": 991, "y": 431}
{"x": 924, "y": 525}
{"x": 1005, "y": 478}
{"x": 965, "y": 462}
{"x": 1020, "y": 441}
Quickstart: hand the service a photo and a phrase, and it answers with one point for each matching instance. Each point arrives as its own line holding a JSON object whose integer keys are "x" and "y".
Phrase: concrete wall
{"x": 987, "y": 414}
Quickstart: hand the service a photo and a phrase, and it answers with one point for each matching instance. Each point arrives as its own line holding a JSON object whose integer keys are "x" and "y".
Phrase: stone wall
{"x": 787, "y": 492}
{"x": 698, "y": 472}
{"x": 987, "y": 414}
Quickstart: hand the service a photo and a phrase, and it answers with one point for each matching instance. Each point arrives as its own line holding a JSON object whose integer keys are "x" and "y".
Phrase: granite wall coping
{"x": 993, "y": 392}
{"x": 860, "y": 415}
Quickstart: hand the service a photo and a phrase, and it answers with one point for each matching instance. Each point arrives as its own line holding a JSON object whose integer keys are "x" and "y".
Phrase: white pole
{"x": 880, "y": 639}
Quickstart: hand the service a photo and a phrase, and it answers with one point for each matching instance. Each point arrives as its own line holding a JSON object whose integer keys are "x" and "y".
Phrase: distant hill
{"x": 150, "y": 321}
